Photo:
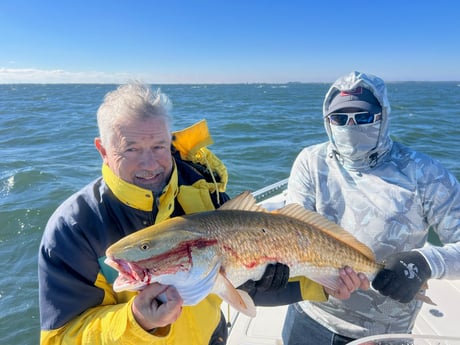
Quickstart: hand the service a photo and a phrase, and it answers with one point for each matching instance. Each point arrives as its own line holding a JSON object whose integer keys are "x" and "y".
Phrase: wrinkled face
{"x": 140, "y": 153}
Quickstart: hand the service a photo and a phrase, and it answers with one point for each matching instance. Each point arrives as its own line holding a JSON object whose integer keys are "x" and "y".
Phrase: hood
{"x": 377, "y": 87}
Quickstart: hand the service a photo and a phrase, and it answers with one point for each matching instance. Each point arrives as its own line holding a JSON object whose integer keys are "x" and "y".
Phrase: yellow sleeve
{"x": 115, "y": 324}
{"x": 310, "y": 290}
{"x": 100, "y": 325}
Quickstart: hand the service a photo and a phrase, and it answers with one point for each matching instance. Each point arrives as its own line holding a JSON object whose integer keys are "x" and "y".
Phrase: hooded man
{"x": 387, "y": 196}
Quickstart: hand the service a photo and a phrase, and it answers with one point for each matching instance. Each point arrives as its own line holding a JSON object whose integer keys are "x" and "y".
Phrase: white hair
{"x": 134, "y": 101}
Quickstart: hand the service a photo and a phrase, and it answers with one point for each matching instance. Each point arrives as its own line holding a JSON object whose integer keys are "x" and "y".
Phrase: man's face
{"x": 140, "y": 153}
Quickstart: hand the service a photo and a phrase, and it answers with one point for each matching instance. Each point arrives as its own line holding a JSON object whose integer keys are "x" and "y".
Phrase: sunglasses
{"x": 360, "y": 118}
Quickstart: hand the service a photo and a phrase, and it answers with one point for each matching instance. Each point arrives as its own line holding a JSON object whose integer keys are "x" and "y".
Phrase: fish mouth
{"x": 131, "y": 277}
{"x": 134, "y": 276}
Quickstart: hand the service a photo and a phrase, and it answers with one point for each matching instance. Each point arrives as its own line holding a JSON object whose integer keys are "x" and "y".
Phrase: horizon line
{"x": 216, "y": 83}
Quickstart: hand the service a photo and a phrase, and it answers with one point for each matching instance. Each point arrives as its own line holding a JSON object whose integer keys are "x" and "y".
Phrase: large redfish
{"x": 216, "y": 251}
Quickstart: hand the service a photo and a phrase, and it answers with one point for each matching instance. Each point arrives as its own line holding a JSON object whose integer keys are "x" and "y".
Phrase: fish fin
{"x": 243, "y": 202}
{"x": 330, "y": 280}
{"x": 424, "y": 298}
{"x": 250, "y": 307}
{"x": 238, "y": 299}
{"x": 325, "y": 225}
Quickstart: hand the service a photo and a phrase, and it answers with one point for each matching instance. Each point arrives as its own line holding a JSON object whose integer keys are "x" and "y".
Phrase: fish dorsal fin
{"x": 243, "y": 202}
{"x": 325, "y": 225}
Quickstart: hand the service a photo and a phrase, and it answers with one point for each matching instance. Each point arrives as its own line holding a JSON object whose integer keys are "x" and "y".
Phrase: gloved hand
{"x": 275, "y": 277}
{"x": 403, "y": 276}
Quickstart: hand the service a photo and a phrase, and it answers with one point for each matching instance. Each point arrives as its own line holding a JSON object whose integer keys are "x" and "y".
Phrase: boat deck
{"x": 439, "y": 320}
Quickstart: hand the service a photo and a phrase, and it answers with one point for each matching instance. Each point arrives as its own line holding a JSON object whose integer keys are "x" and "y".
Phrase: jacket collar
{"x": 137, "y": 197}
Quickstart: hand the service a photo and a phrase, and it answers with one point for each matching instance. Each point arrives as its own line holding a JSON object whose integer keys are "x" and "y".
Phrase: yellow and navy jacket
{"x": 77, "y": 302}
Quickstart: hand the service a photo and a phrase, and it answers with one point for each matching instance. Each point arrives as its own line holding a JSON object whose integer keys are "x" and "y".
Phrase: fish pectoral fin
{"x": 250, "y": 309}
{"x": 237, "y": 299}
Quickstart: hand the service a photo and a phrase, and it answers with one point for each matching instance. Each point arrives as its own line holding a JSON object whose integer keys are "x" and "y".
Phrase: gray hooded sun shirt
{"x": 387, "y": 196}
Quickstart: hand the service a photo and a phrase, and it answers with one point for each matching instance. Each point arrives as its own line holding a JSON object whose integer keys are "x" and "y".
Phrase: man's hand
{"x": 350, "y": 281}
{"x": 150, "y": 313}
{"x": 403, "y": 276}
{"x": 275, "y": 277}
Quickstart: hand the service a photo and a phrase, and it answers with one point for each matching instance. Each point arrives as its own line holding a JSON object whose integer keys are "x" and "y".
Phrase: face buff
{"x": 355, "y": 142}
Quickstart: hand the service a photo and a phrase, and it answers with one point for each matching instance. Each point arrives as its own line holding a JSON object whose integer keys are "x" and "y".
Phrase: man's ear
{"x": 100, "y": 148}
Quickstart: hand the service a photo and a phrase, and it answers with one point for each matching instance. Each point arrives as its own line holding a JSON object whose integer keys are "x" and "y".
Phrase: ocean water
{"x": 47, "y": 153}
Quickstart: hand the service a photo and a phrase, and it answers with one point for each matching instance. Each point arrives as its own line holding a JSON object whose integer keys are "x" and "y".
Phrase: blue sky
{"x": 231, "y": 41}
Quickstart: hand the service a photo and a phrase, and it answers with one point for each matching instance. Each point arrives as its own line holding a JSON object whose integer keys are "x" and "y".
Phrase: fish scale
{"x": 248, "y": 238}
{"x": 216, "y": 251}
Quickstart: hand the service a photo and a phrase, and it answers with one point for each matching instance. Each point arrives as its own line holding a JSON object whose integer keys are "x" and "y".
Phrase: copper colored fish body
{"x": 216, "y": 251}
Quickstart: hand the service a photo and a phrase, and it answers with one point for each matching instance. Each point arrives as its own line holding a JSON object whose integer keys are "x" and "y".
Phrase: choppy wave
{"x": 46, "y": 143}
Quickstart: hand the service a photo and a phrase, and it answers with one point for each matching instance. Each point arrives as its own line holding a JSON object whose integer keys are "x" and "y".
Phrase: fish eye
{"x": 144, "y": 246}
